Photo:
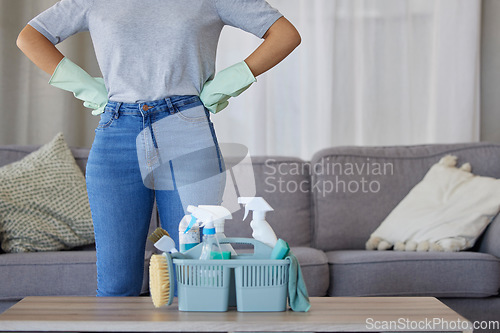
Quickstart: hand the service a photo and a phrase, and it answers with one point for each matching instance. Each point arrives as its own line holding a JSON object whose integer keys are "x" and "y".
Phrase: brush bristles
{"x": 158, "y": 234}
{"x": 159, "y": 280}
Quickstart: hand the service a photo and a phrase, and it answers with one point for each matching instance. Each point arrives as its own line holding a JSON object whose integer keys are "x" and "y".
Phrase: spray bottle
{"x": 189, "y": 233}
{"x": 262, "y": 231}
{"x": 211, "y": 248}
{"x": 221, "y": 215}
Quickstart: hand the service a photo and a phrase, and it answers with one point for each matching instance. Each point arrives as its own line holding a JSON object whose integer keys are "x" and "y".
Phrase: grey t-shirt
{"x": 149, "y": 50}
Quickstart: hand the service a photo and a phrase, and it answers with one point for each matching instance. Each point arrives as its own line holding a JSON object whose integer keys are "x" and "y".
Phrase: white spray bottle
{"x": 221, "y": 214}
{"x": 189, "y": 233}
{"x": 262, "y": 231}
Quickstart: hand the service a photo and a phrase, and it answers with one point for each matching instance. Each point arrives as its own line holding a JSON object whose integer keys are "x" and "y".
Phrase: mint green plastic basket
{"x": 262, "y": 285}
{"x": 258, "y": 283}
{"x": 202, "y": 286}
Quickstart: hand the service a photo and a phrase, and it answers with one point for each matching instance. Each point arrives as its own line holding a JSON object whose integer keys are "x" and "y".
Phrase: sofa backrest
{"x": 284, "y": 182}
{"x": 339, "y": 198}
{"x": 355, "y": 188}
{"x": 10, "y": 154}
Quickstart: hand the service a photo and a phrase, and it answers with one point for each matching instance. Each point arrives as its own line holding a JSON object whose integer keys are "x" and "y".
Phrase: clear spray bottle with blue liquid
{"x": 211, "y": 218}
{"x": 211, "y": 248}
{"x": 221, "y": 214}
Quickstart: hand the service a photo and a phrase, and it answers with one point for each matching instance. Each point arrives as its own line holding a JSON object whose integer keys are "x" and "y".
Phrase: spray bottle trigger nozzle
{"x": 191, "y": 223}
{"x": 246, "y": 213}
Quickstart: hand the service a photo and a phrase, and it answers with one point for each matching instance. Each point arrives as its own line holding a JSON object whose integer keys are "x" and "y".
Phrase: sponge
{"x": 280, "y": 250}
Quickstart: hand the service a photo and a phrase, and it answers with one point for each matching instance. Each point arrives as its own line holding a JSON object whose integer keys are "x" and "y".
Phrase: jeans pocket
{"x": 193, "y": 115}
{"x": 107, "y": 119}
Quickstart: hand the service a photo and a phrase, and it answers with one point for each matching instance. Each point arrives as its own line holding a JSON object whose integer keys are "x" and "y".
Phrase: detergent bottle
{"x": 211, "y": 248}
{"x": 262, "y": 231}
{"x": 221, "y": 215}
{"x": 189, "y": 233}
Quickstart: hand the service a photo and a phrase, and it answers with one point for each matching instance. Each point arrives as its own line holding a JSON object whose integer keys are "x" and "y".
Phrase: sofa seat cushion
{"x": 314, "y": 267}
{"x": 48, "y": 274}
{"x": 393, "y": 273}
{"x": 58, "y": 273}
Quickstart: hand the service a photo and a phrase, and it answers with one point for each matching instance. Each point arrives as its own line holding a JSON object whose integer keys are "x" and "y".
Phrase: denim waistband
{"x": 171, "y": 104}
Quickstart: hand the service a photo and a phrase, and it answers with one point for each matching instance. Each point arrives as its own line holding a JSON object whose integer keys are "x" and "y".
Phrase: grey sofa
{"x": 68, "y": 273}
{"x": 326, "y": 209}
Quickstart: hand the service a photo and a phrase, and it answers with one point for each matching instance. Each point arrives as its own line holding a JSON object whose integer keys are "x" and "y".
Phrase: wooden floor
{"x": 137, "y": 314}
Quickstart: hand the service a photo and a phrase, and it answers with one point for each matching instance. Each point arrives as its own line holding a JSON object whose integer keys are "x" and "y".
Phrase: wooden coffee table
{"x": 137, "y": 314}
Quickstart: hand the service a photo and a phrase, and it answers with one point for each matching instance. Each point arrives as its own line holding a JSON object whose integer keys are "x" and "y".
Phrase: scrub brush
{"x": 160, "y": 284}
{"x": 162, "y": 241}
{"x": 158, "y": 234}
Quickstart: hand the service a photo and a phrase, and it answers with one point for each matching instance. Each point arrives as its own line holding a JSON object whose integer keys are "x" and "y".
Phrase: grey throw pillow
{"x": 43, "y": 202}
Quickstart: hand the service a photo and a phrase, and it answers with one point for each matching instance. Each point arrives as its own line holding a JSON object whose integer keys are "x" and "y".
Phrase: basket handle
{"x": 261, "y": 250}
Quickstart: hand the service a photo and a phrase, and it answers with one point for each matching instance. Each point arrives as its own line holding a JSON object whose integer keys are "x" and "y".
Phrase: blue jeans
{"x": 164, "y": 149}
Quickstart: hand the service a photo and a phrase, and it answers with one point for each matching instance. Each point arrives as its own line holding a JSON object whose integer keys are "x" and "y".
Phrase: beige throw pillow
{"x": 447, "y": 211}
{"x": 43, "y": 202}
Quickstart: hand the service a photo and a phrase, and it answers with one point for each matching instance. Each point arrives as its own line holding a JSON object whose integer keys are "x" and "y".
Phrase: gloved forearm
{"x": 70, "y": 77}
{"x": 279, "y": 41}
{"x": 228, "y": 83}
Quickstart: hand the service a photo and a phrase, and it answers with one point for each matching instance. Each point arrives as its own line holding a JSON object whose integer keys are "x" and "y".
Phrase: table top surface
{"x": 136, "y": 314}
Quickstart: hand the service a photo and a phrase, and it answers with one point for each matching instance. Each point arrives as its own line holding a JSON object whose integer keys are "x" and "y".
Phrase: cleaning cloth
{"x": 228, "y": 83}
{"x": 298, "y": 298}
{"x": 70, "y": 77}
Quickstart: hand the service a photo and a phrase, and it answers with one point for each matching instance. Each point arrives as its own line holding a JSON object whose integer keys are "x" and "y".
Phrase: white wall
{"x": 80, "y": 133}
{"x": 490, "y": 71}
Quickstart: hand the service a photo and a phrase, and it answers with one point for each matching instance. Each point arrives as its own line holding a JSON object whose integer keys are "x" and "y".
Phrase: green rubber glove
{"x": 70, "y": 77}
{"x": 228, "y": 83}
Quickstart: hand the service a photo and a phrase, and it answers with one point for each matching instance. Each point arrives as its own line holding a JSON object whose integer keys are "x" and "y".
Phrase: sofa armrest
{"x": 489, "y": 240}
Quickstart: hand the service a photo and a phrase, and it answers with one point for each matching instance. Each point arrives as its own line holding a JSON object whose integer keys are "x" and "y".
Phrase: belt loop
{"x": 170, "y": 106}
{"x": 117, "y": 110}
